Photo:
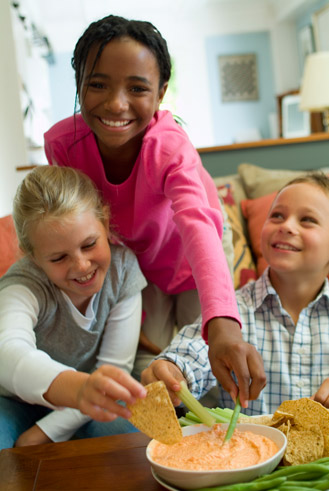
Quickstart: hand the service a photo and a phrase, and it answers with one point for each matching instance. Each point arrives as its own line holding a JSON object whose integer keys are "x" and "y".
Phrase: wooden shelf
{"x": 26, "y": 167}
{"x": 266, "y": 143}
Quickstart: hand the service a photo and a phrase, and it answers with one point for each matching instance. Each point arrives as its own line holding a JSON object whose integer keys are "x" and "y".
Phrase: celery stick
{"x": 234, "y": 420}
{"x": 193, "y": 417}
{"x": 193, "y": 405}
{"x": 218, "y": 417}
{"x": 185, "y": 421}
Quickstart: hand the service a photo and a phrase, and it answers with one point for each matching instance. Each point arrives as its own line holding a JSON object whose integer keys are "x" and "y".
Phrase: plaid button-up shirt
{"x": 296, "y": 357}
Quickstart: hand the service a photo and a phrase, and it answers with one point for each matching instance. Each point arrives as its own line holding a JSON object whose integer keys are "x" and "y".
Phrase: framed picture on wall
{"x": 238, "y": 77}
{"x": 320, "y": 21}
{"x": 305, "y": 43}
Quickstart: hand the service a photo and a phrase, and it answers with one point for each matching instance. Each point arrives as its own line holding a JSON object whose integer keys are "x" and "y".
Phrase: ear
{"x": 162, "y": 92}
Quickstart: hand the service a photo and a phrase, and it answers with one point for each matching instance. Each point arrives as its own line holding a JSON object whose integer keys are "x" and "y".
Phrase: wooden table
{"x": 112, "y": 463}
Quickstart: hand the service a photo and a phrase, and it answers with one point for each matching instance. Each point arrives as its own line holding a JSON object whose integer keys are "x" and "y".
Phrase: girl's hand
{"x": 168, "y": 372}
{"x": 228, "y": 352}
{"x": 322, "y": 394}
{"x": 99, "y": 394}
{"x": 32, "y": 436}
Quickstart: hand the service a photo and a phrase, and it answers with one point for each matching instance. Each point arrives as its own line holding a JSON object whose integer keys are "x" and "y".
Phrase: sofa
{"x": 246, "y": 195}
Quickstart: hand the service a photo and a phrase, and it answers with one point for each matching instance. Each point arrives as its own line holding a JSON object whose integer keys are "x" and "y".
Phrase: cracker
{"x": 307, "y": 412}
{"x": 304, "y": 445}
{"x": 256, "y": 420}
{"x": 156, "y": 416}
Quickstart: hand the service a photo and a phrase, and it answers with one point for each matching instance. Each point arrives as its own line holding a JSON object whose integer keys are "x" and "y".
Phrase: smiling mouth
{"x": 286, "y": 247}
{"x": 115, "y": 124}
{"x": 85, "y": 279}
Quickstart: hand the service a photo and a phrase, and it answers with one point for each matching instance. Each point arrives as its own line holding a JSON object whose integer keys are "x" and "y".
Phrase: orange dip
{"x": 205, "y": 451}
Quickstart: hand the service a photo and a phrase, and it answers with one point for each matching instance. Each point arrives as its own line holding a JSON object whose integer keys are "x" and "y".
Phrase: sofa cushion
{"x": 9, "y": 251}
{"x": 244, "y": 266}
{"x": 258, "y": 181}
{"x": 255, "y": 211}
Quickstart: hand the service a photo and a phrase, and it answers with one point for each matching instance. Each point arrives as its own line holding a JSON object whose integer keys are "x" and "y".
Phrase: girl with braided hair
{"x": 164, "y": 204}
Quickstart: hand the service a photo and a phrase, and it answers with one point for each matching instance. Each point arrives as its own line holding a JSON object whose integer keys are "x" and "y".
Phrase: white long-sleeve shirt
{"x": 19, "y": 311}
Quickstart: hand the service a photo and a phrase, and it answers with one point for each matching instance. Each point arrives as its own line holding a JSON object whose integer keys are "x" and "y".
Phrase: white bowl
{"x": 187, "y": 479}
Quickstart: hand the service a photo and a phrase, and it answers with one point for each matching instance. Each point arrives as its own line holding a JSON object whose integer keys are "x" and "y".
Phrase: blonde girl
{"x": 70, "y": 313}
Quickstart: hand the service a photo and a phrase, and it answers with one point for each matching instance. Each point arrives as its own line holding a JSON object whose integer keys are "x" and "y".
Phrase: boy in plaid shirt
{"x": 285, "y": 313}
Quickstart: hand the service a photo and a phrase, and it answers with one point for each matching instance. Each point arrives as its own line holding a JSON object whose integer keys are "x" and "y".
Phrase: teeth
{"x": 83, "y": 279}
{"x": 285, "y": 247}
{"x": 115, "y": 124}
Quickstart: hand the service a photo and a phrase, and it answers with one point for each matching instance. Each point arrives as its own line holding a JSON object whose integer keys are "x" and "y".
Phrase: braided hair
{"x": 111, "y": 27}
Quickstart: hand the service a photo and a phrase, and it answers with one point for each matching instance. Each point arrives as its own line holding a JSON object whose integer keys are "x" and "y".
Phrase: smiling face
{"x": 295, "y": 236}
{"x": 120, "y": 94}
{"x": 74, "y": 253}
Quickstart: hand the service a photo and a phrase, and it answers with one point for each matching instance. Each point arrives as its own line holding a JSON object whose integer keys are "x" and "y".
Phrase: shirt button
{"x": 300, "y": 384}
{"x": 301, "y": 351}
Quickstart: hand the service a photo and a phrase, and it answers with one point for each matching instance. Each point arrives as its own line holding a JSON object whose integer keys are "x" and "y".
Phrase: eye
{"x": 57, "y": 259}
{"x": 138, "y": 89}
{"x": 276, "y": 215}
{"x": 89, "y": 246}
{"x": 309, "y": 219}
{"x": 96, "y": 85}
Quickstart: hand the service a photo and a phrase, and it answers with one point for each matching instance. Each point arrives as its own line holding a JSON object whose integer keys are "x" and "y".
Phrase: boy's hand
{"x": 228, "y": 352}
{"x": 322, "y": 394}
{"x": 32, "y": 436}
{"x": 168, "y": 372}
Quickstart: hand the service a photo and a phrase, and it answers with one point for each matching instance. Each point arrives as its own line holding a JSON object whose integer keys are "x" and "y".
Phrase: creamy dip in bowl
{"x": 200, "y": 459}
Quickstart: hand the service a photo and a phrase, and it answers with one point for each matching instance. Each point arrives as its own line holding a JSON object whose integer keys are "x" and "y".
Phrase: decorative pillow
{"x": 237, "y": 190}
{"x": 255, "y": 211}
{"x": 260, "y": 182}
{"x": 244, "y": 266}
{"x": 9, "y": 252}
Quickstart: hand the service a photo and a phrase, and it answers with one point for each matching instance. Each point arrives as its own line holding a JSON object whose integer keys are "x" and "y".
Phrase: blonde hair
{"x": 48, "y": 193}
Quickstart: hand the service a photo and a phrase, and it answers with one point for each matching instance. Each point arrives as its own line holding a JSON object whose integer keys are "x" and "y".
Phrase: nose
{"x": 116, "y": 101}
{"x": 80, "y": 264}
{"x": 288, "y": 226}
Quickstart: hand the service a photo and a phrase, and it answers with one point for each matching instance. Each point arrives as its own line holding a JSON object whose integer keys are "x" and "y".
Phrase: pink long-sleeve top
{"x": 167, "y": 211}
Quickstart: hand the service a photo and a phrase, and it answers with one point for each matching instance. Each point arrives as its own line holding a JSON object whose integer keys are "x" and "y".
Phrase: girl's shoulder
{"x": 124, "y": 277}
{"x": 164, "y": 137}
{"x": 123, "y": 259}
{"x": 71, "y": 127}
{"x": 163, "y": 122}
{"x": 25, "y": 272}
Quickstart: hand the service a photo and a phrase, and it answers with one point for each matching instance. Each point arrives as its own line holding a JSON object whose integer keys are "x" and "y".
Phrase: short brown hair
{"x": 317, "y": 178}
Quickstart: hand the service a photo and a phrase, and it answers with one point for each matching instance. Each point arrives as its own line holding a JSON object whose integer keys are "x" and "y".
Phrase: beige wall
{"x": 12, "y": 141}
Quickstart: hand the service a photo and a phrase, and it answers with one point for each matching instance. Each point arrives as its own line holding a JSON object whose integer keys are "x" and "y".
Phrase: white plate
{"x": 163, "y": 483}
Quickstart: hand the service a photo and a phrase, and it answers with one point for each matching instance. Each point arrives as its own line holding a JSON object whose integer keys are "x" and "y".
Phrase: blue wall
{"x": 229, "y": 118}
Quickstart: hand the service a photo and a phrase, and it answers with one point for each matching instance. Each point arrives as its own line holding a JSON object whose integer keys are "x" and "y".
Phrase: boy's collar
{"x": 263, "y": 288}
{"x": 266, "y": 289}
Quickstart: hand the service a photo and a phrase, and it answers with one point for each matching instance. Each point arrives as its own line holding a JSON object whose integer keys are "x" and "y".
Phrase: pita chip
{"x": 156, "y": 416}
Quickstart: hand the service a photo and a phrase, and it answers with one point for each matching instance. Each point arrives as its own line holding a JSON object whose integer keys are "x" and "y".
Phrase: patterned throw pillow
{"x": 255, "y": 212}
{"x": 244, "y": 266}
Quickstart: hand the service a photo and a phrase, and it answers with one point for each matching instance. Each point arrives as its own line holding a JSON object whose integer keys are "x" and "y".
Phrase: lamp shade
{"x": 315, "y": 83}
